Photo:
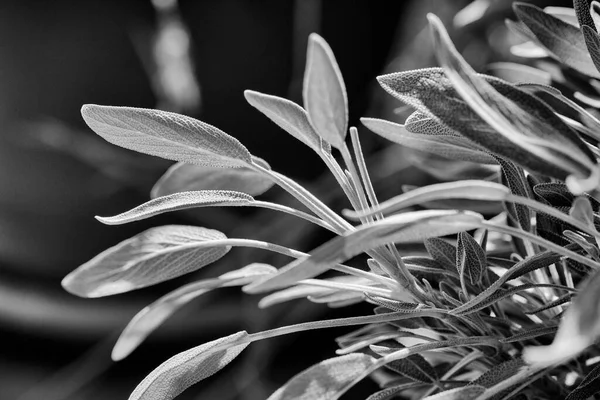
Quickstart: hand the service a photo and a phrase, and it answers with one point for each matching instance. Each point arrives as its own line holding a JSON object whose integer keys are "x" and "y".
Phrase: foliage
{"x": 508, "y": 304}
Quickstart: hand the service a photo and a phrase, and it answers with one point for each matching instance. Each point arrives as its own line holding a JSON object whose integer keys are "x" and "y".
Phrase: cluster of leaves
{"x": 501, "y": 307}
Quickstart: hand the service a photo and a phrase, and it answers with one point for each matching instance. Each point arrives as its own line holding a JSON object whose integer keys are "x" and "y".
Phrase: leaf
{"x": 401, "y": 228}
{"x": 447, "y": 146}
{"x": 183, "y": 370}
{"x": 582, "y": 211}
{"x": 182, "y": 177}
{"x": 391, "y": 392}
{"x": 523, "y": 123}
{"x": 470, "y": 258}
{"x": 530, "y": 334}
{"x": 592, "y": 40}
{"x": 418, "y": 122}
{"x": 153, "y": 315}
{"x": 153, "y": 256}
{"x": 468, "y": 392}
{"x": 499, "y": 373}
{"x": 515, "y": 179}
{"x": 563, "y": 40}
{"x": 442, "y": 252}
{"x": 180, "y": 201}
{"x": 519, "y": 73}
{"x": 324, "y": 92}
{"x": 589, "y": 386}
{"x": 167, "y": 135}
{"x": 578, "y": 329}
{"x": 465, "y": 189}
{"x": 414, "y": 367}
{"x": 289, "y": 116}
{"x": 327, "y": 380}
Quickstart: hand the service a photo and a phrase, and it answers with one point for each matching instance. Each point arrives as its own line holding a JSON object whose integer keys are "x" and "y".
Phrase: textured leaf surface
{"x": 167, "y": 135}
{"x": 391, "y": 392}
{"x": 470, "y": 258}
{"x": 327, "y": 380}
{"x": 288, "y": 115}
{"x": 563, "y": 40}
{"x": 180, "y": 201}
{"x": 442, "y": 252}
{"x": 324, "y": 92}
{"x": 499, "y": 373}
{"x": 182, "y": 177}
{"x": 469, "y": 392}
{"x": 401, "y": 228}
{"x": 418, "y": 122}
{"x": 448, "y": 146}
{"x": 189, "y": 367}
{"x": 150, "y": 257}
{"x": 153, "y": 315}
{"x": 589, "y": 386}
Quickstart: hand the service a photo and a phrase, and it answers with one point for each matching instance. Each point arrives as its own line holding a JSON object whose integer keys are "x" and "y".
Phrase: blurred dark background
{"x": 192, "y": 57}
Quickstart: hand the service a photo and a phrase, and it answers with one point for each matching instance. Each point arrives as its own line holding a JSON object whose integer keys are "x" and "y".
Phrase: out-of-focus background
{"x": 193, "y": 57}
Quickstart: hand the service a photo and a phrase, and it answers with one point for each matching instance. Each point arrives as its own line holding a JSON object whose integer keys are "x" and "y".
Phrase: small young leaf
{"x": 589, "y": 386}
{"x": 470, "y": 258}
{"x": 324, "y": 92}
{"x": 447, "y": 146}
{"x": 182, "y": 177}
{"x": 563, "y": 40}
{"x": 167, "y": 135}
{"x": 327, "y": 380}
{"x": 180, "y": 201}
{"x": 288, "y": 115}
{"x": 582, "y": 211}
{"x": 442, "y": 252}
{"x": 153, "y": 315}
{"x": 151, "y": 257}
{"x": 183, "y": 370}
{"x": 469, "y": 392}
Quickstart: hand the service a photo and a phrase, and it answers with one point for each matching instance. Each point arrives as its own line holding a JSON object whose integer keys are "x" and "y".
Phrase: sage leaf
{"x": 289, "y": 116}
{"x": 562, "y": 40}
{"x": 470, "y": 258}
{"x": 180, "y": 201}
{"x": 401, "y": 228}
{"x": 530, "y": 334}
{"x": 518, "y": 73}
{"x": 167, "y": 135}
{"x": 183, "y": 370}
{"x": 418, "y": 122}
{"x": 499, "y": 373}
{"x": 153, "y": 315}
{"x": 469, "y": 392}
{"x": 588, "y": 387}
{"x": 578, "y": 329}
{"x": 582, "y": 12}
{"x": 582, "y": 211}
{"x": 592, "y": 40}
{"x": 448, "y": 146}
{"x": 182, "y": 177}
{"x": 153, "y": 256}
{"x": 391, "y": 392}
{"x": 327, "y": 380}
{"x": 324, "y": 93}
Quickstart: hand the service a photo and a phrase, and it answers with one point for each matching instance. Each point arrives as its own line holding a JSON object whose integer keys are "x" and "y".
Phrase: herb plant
{"x": 507, "y": 306}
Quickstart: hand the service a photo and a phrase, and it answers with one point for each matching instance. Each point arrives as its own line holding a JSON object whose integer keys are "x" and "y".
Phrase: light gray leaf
{"x": 327, "y": 380}
{"x": 185, "y": 369}
{"x": 182, "y": 177}
{"x": 167, "y": 135}
{"x": 582, "y": 211}
{"x": 288, "y": 115}
{"x": 469, "y": 392}
{"x": 562, "y": 40}
{"x": 153, "y": 315}
{"x": 401, "y": 228}
{"x": 418, "y": 122}
{"x": 180, "y": 201}
{"x": 447, "y": 146}
{"x": 519, "y": 73}
{"x": 151, "y": 257}
{"x": 324, "y": 93}
{"x": 499, "y": 373}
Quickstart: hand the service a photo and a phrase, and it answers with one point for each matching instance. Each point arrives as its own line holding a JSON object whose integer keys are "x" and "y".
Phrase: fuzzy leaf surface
{"x": 168, "y": 135}
{"x": 469, "y": 392}
{"x": 324, "y": 92}
{"x": 326, "y": 380}
{"x": 470, "y": 258}
{"x": 183, "y": 370}
{"x": 589, "y": 386}
{"x": 151, "y": 257}
{"x": 182, "y": 177}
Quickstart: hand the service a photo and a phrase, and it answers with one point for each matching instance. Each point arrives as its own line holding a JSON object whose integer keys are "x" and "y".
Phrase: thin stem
{"x": 348, "y": 286}
{"x": 295, "y": 212}
{"x": 355, "y": 178}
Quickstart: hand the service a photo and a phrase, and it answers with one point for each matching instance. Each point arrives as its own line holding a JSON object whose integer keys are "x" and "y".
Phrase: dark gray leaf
{"x": 470, "y": 258}
{"x": 589, "y": 386}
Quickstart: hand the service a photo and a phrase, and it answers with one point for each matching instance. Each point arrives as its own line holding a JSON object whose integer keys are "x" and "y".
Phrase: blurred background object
{"x": 196, "y": 58}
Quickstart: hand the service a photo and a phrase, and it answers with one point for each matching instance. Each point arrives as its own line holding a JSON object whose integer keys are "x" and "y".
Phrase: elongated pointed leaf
{"x": 327, "y": 380}
{"x": 451, "y": 147}
{"x": 442, "y": 252}
{"x": 466, "y": 189}
{"x": 153, "y": 315}
{"x": 582, "y": 12}
{"x": 151, "y": 257}
{"x": 324, "y": 92}
{"x": 182, "y": 177}
{"x": 470, "y": 258}
{"x": 180, "y": 201}
{"x": 530, "y": 334}
{"x": 418, "y": 122}
{"x": 401, "y": 228}
{"x": 167, "y": 135}
{"x": 589, "y": 386}
{"x": 469, "y": 392}
{"x": 518, "y": 73}
{"x": 499, "y": 373}
{"x": 183, "y": 370}
{"x": 562, "y": 40}
{"x": 391, "y": 392}
{"x": 289, "y": 116}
